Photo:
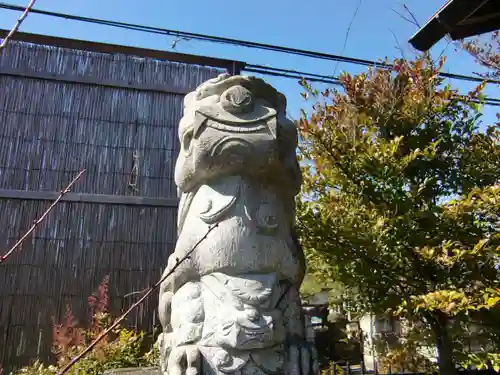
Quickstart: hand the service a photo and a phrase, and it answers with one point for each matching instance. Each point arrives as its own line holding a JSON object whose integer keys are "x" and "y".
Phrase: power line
{"x": 196, "y": 36}
{"x": 287, "y": 73}
{"x": 278, "y": 72}
{"x": 229, "y": 41}
{"x": 312, "y": 77}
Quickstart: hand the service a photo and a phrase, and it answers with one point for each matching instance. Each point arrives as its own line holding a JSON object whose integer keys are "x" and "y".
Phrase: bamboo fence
{"x": 116, "y": 115}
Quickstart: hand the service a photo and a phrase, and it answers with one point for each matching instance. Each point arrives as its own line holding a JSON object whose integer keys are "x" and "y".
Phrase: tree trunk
{"x": 444, "y": 344}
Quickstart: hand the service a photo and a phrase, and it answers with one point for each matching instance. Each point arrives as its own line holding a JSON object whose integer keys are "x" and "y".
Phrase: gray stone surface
{"x": 234, "y": 306}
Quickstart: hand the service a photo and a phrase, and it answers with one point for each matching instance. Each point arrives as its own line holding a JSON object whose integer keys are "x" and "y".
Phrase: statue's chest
{"x": 236, "y": 201}
{"x": 253, "y": 230}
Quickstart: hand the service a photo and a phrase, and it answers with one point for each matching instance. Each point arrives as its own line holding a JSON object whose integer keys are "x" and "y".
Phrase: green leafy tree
{"x": 402, "y": 197}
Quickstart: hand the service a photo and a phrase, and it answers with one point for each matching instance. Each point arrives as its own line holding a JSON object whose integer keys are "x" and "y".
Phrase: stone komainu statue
{"x": 233, "y": 306}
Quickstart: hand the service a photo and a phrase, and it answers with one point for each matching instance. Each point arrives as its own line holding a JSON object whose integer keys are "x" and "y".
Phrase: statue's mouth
{"x": 231, "y": 145}
{"x": 237, "y": 128}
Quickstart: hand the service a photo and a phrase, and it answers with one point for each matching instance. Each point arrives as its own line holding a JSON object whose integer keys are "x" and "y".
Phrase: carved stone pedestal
{"x": 134, "y": 371}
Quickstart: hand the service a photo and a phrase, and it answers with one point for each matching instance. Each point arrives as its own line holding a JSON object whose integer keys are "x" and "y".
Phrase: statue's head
{"x": 236, "y": 125}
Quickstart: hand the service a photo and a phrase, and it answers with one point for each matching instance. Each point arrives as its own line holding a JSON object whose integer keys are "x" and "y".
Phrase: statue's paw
{"x": 228, "y": 363}
{"x": 184, "y": 360}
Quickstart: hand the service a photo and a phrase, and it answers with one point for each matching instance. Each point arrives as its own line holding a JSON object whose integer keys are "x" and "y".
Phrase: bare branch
{"x": 17, "y": 25}
{"x": 134, "y": 293}
{"x": 398, "y": 47}
{"x": 348, "y": 32}
{"x": 4, "y": 257}
{"x": 412, "y": 19}
{"x": 405, "y": 18}
{"x": 449, "y": 41}
{"x": 412, "y": 15}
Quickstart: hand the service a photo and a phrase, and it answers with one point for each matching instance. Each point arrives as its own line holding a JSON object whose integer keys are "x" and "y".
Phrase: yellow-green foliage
{"x": 404, "y": 357}
{"x": 125, "y": 351}
{"x": 402, "y": 196}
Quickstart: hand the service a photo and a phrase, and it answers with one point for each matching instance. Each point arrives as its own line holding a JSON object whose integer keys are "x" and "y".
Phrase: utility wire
{"x": 17, "y": 24}
{"x": 203, "y": 37}
{"x": 229, "y": 41}
{"x": 286, "y": 73}
{"x": 277, "y": 72}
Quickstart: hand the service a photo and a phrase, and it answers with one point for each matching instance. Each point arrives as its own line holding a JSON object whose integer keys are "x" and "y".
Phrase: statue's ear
{"x": 272, "y": 125}
{"x": 199, "y": 121}
{"x": 192, "y": 132}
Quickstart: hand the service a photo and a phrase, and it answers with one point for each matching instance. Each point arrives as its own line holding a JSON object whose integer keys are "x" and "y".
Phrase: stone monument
{"x": 233, "y": 306}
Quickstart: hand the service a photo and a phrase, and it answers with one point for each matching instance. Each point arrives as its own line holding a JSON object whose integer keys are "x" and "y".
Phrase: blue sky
{"x": 318, "y": 25}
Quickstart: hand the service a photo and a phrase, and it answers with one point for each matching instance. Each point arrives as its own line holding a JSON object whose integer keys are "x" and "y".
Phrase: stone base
{"x": 134, "y": 371}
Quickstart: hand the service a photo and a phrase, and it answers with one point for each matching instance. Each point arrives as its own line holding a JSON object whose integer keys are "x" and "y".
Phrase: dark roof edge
{"x": 233, "y": 67}
{"x": 431, "y": 32}
{"x": 448, "y": 21}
